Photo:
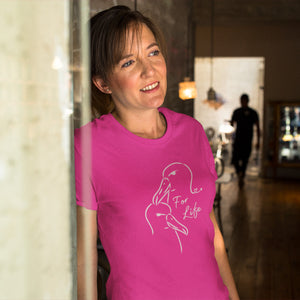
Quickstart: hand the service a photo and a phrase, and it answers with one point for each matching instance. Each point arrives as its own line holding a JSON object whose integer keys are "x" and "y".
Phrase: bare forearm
{"x": 226, "y": 273}
{"x": 87, "y": 256}
{"x": 87, "y": 282}
{"x": 222, "y": 260}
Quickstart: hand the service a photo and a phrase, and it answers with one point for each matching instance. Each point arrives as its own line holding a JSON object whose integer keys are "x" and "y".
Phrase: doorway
{"x": 232, "y": 76}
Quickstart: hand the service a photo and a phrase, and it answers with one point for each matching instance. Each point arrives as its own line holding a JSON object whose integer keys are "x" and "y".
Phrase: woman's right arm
{"x": 87, "y": 256}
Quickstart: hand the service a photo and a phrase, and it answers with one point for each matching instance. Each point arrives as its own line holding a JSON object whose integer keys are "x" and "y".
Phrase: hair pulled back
{"x": 108, "y": 32}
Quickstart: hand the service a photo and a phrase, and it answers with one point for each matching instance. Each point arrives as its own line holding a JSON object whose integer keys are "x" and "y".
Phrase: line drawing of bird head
{"x": 180, "y": 172}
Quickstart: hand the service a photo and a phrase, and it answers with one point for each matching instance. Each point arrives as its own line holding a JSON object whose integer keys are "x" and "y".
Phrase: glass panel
{"x": 289, "y": 137}
{"x": 36, "y": 107}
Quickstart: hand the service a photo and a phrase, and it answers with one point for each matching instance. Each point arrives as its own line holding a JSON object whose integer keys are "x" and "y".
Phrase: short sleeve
{"x": 85, "y": 193}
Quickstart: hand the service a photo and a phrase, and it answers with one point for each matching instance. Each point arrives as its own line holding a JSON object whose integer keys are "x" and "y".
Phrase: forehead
{"x": 137, "y": 36}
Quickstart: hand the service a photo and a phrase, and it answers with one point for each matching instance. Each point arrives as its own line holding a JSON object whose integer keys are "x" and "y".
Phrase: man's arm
{"x": 233, "y": 118}
{"x": 257, "y": 133}
{"x": 232, "y": 121}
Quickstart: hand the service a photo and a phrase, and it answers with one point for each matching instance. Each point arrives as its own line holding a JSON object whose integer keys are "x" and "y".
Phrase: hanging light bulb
{"x": 187, "y": 89}
{"x": 212, "y": 98}
{"x": 211, "y": 94}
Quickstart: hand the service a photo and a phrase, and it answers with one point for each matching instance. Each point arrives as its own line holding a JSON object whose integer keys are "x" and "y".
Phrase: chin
{"x": 157, "y": 102}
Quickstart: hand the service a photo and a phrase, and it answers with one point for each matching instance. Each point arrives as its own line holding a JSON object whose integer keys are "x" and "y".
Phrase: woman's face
{"x": 138, "y": 82}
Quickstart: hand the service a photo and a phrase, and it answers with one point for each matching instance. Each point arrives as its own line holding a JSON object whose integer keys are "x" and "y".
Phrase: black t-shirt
{"x": 245, "y": 118}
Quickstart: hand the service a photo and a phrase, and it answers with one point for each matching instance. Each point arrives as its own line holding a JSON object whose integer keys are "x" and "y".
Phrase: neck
{"x": 149, "y": 124}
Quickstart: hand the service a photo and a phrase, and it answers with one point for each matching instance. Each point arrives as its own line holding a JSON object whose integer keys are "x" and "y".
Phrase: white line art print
{"x": 174, "y": 203}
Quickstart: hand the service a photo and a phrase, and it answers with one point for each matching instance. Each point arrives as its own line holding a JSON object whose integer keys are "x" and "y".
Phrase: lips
{"x": 150, "y": 87}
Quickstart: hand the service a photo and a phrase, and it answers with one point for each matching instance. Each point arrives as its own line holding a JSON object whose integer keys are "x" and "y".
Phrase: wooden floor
{"x": 261, "y": 226}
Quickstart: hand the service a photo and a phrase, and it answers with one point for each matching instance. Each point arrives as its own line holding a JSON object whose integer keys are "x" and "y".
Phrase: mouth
{"x": 150, "y": 87}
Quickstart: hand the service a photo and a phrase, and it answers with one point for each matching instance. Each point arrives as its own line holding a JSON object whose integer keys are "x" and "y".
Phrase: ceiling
{"x": 229, "y": 11}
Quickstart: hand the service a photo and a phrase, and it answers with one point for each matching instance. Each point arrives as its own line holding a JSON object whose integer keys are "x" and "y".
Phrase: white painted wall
{"x": 35, "y": 108}
{"x": 232, "y": 77}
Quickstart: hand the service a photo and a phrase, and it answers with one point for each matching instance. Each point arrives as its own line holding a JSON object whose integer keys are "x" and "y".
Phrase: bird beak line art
{"x": 176, "y": 225}
{"x": 162, "y": 192}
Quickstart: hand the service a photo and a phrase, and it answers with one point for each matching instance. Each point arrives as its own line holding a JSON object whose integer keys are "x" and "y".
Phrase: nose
{"x": 147, "y": 68}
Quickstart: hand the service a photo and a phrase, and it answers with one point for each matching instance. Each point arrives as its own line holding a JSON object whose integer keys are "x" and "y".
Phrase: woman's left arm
{"x": 222, "y": 260}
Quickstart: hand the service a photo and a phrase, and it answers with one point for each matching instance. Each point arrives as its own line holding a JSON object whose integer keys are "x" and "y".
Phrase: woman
{"x": 152, "y": 182}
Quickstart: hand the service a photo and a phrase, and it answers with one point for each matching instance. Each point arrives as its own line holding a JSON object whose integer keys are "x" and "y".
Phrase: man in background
{"x": 244, "y": 119}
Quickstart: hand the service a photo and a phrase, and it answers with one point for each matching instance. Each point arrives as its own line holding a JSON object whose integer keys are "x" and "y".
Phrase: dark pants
{"x": 240, "y": 157}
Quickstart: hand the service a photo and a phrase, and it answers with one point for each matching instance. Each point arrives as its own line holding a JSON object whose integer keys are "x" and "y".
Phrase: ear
{"x": 101, "y": 85}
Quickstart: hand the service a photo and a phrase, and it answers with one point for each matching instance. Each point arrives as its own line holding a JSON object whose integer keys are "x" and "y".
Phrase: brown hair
{"x": 108, "y": 33}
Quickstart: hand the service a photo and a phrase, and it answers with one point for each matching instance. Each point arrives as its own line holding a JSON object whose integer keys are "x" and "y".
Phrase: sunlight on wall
{"x": 35, "y": 240}
{"x": 232, "y": 77}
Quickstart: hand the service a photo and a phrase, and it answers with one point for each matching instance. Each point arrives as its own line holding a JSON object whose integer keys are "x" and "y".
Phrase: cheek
{"x": 164, "y": 73}
{"x": 163, "y": 69}
{"x": 126, "y": 82}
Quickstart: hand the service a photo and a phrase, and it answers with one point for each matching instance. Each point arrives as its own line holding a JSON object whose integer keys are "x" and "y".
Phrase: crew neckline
{"x": 164, "y": 111}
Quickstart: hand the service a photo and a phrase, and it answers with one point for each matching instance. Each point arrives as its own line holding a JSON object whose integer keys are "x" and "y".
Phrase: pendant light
{"x": 212, "y": 99}
{"x": 211, "y": 94}
{"x": 187, "y": 88}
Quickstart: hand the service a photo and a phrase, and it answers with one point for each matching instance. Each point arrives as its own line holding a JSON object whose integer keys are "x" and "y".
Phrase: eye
{"x": 160, "y": 215}
{"x": 127, "y": 64}
{"x": 154, "y": 53}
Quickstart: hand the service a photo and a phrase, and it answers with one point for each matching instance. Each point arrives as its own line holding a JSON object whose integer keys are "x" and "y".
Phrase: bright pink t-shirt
{"x": 153, "y": 198}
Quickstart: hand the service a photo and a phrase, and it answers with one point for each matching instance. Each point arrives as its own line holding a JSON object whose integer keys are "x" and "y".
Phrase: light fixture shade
{"x": 212, "y": 99}
{"x": 226, "y": 128}
{"x": 211, "y": 94}
{"x": 287, "y": 137}
{"x": 187, "y": 90}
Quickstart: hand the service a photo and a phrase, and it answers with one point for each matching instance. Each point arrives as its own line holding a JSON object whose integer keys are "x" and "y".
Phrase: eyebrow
{"x": 152, "y": 45}
{"x": 126, "y": 56}
{"x": 129, "y": 55}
